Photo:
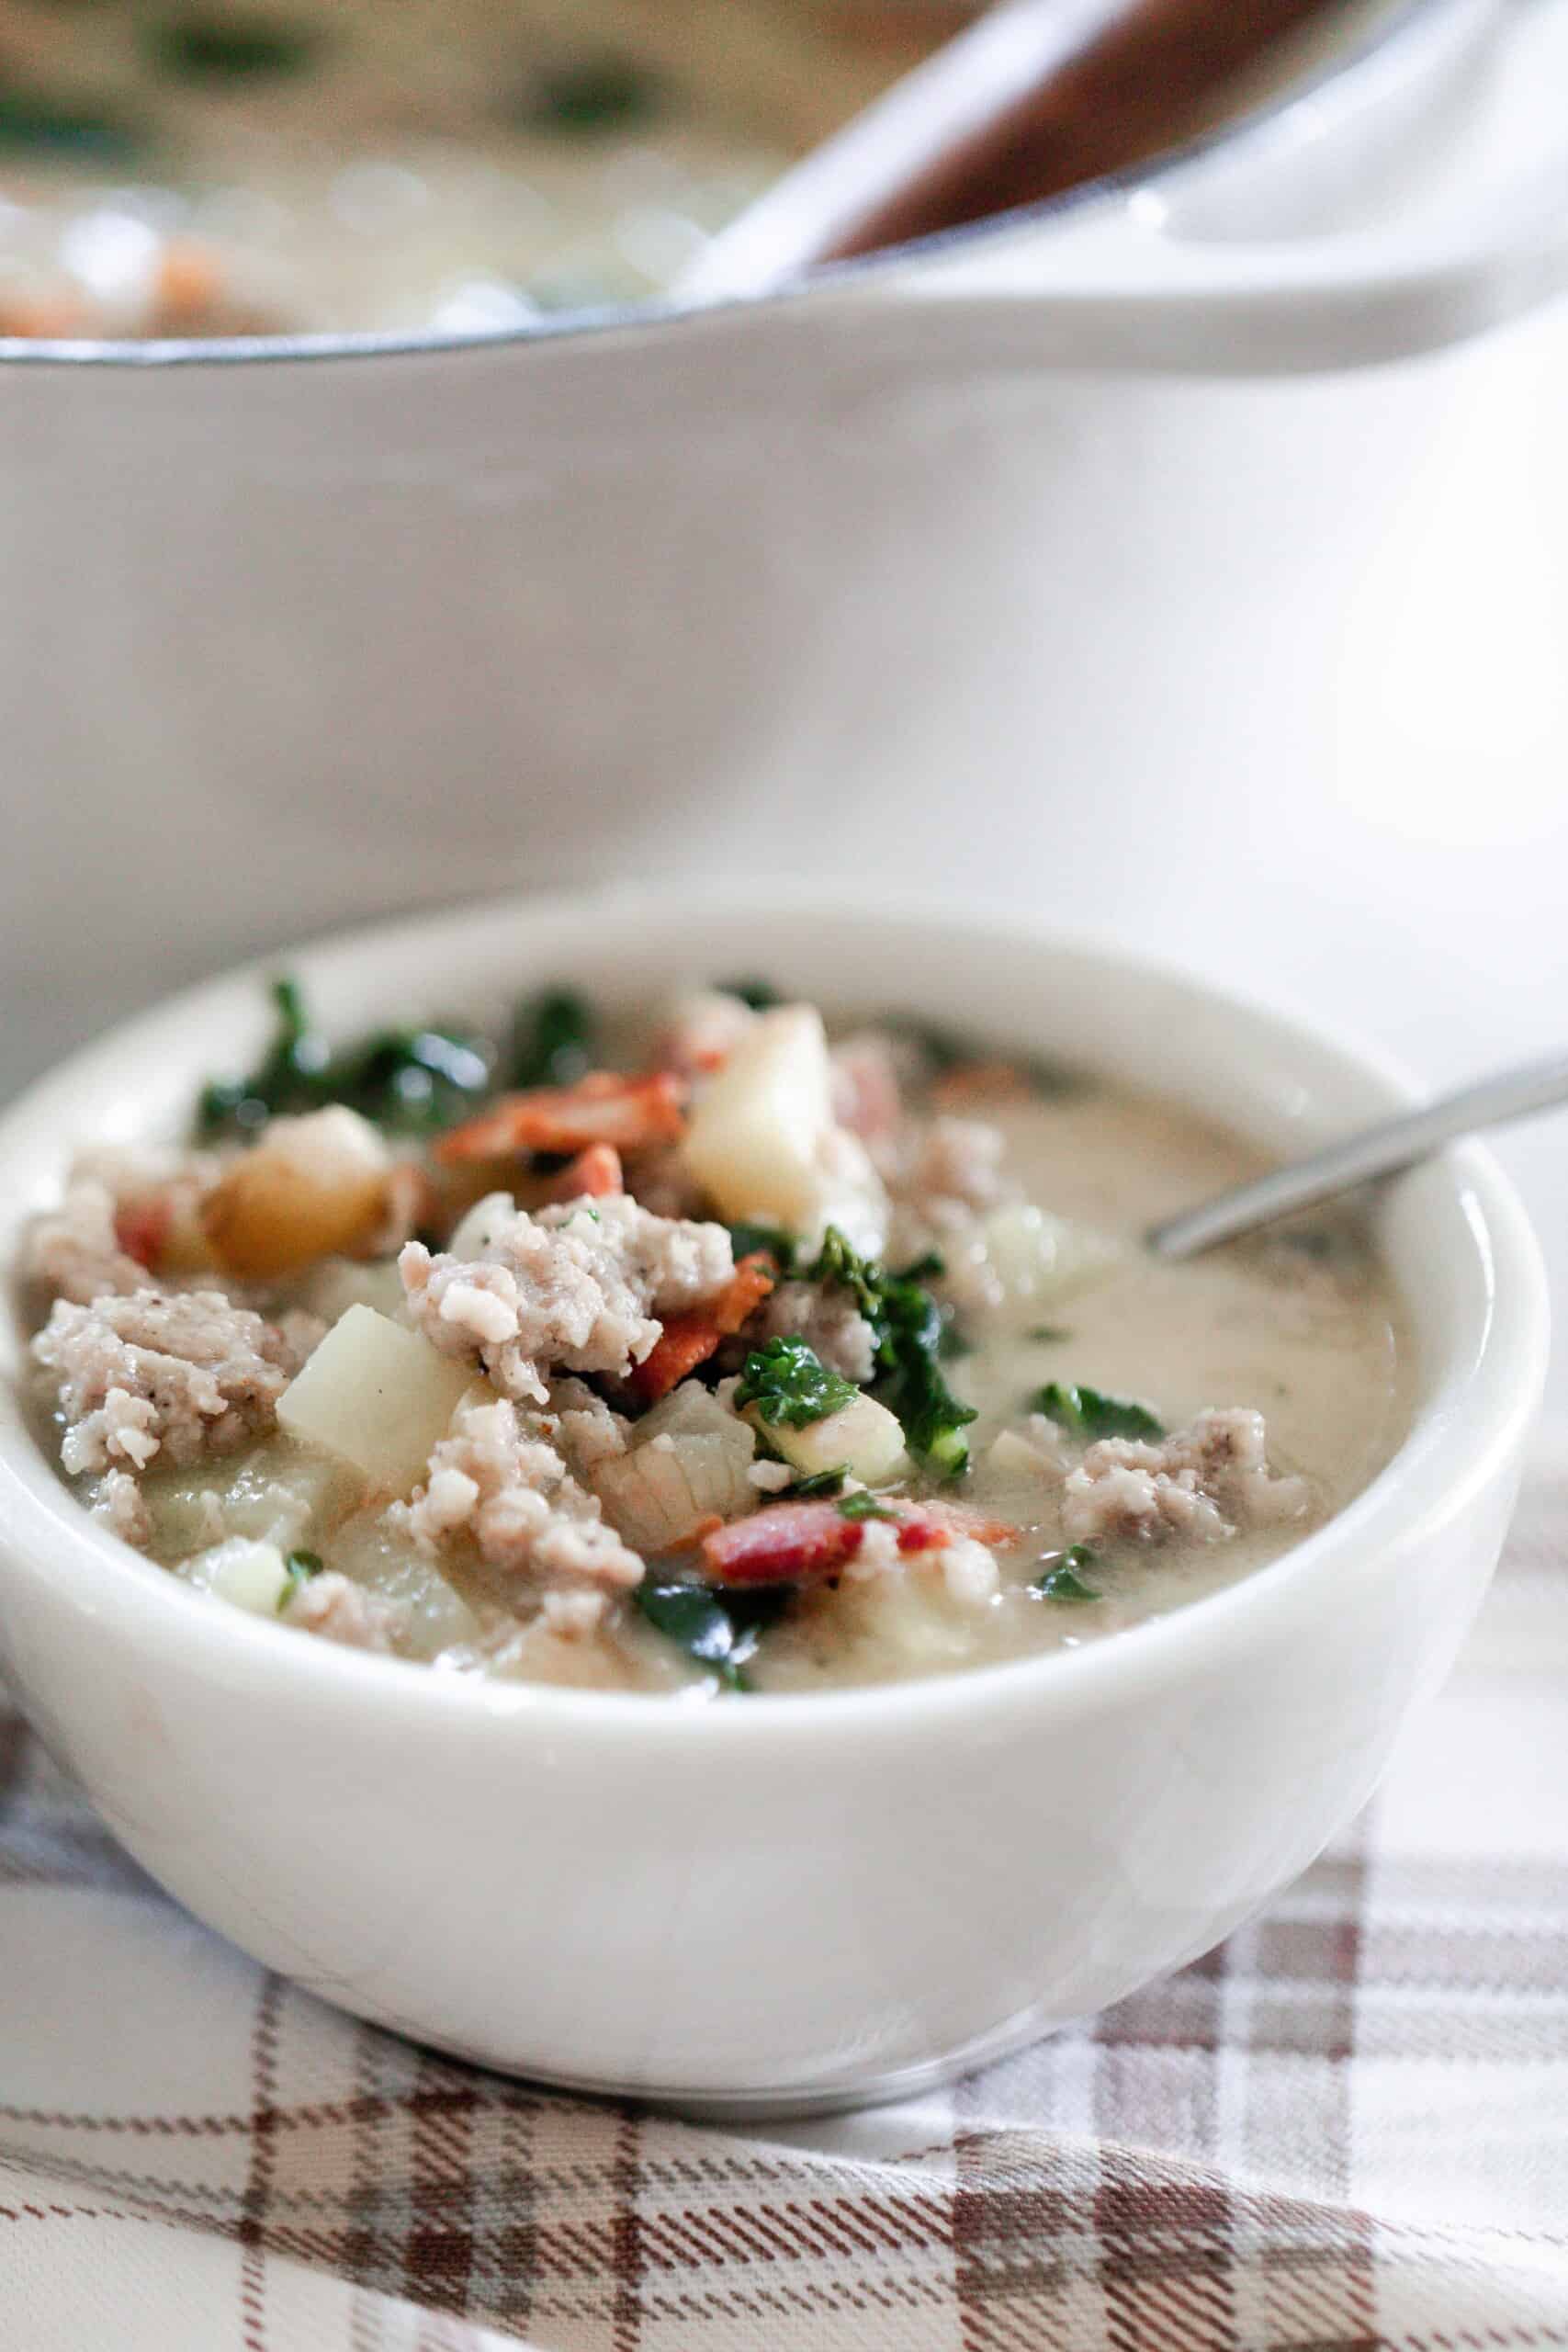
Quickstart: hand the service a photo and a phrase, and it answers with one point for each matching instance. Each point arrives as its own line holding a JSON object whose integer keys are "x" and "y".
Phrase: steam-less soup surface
{"x": 712, "y": 1359}
{"x": 240, "y": 166}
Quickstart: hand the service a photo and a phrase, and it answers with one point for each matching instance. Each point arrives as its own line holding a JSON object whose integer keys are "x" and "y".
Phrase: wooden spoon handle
{"x": 1148, "y": 80}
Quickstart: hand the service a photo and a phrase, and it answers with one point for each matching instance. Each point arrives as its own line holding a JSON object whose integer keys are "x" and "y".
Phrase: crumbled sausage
{"x": 341, "y": 1610}
{"x": 589, "y": 1433}
{"x": 498, "y": 1480}
{"x": 672, "y": 1263}
{"x": 959, "y": 1159}
{"x": 1203, "y": 1482}
{"x": 72, "y": 1252}
{"x": 578, "y": 1287}
{"x": 121, "y": 1507}
{"x": 187, "y": 1373}
{"x": 868, "y": 1097}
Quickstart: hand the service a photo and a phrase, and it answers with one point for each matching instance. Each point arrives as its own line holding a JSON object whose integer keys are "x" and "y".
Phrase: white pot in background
{"x": 1052, "y": 563}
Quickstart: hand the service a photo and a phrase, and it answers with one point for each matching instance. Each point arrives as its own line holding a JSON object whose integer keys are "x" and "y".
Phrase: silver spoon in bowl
{"x": 1383, "y": 1150}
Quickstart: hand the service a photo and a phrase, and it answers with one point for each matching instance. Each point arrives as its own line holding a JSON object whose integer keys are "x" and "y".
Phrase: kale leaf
{"x": 202, "y": 48}
{"x": 788, "y": 1382}
{"x": 1061, "y": 1576}
{"x": 865, "y": 1506}
{"x": 37, "y": 123}
{"x": 301, "y": 1567}
{"x": 1088, "y": 1413}
{"x": 907, "y": 1326}
{"x": 824, "y": 1482}
{"x": 410, "y": 1079}
{"x": 589, "y": 95}
{"x": 555, "y": 1041}
{"x": 761, "y": 995}
{"x": 747, "y": 1236}
{"x": 718, "y": 1630}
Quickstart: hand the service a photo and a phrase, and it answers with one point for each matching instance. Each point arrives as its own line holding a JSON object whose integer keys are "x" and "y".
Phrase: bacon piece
{"x": 142, "y": 1228}
{"x": 796, "y": 1543}
{"x": 685, "y": 1341}
{"x": 189, "y": 286}
{"x": 751, "y": 1282}
{"x": 688, "y": 1340}
{"x": 602, "y": 1108}
{"x": 44, "y": 317}
{"x": 595, "y": 1175}
{"x": 971, "y": 1082}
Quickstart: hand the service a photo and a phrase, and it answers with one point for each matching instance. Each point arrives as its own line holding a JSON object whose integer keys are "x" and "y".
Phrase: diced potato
{"x": 312, "y": 1186}
{"x": 250, "y": 1576}
{"x": 1026, "y": 1455}
{"x": 1036, "y": 1257}
{"x": 756, "y": 1135}
{"x": 378, "y": 1396}
{"x": 863, "y": 1437}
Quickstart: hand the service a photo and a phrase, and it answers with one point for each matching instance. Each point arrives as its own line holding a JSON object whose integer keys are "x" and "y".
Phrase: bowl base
{"x": 843, "y": 2094}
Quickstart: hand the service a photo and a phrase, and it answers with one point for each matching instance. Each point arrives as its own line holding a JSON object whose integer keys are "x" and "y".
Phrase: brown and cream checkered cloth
{"x": 1348, "y": 2127}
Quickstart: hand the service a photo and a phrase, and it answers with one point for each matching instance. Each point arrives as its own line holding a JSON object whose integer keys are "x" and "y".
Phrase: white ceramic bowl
{"x": 787, "y": 1902}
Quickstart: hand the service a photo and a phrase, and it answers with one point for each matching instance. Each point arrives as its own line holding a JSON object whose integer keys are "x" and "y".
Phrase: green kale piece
{"x": 824, "y": 1483}
{"x": 555, "y": 1040}
{"x": 865, "y": 1506}
{"x": 907, "y": 1327}
{"x": 587, "y": 95}
{"x": 718, "y": 1630}
{"x": 789, "y": 1383}
{"x": 761, "y": 995}
{"x": 200, "y": 47}
{"x": 301, "y": 1567}
{"x": 749, "y": 1237}
{"x": 1088, "y": 1413}
{"x": 1061, "y": 1578}
{"x": 407, "y": 1080}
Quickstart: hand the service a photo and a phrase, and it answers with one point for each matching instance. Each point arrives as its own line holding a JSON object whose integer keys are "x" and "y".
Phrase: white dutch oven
{"x": 935, "y": 569}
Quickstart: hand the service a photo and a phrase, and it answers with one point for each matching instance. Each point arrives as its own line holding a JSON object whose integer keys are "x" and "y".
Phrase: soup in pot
{"x": 179, "y": 167}
{"x": 717, "y": 1357}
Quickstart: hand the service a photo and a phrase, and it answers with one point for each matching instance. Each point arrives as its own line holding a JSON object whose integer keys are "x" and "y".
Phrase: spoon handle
{"x": 1376, "y": 1151}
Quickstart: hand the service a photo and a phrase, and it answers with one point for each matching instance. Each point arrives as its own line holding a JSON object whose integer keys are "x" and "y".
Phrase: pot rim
{"x": 1258, "y": 128}
{"x": 1477, "y": 1401}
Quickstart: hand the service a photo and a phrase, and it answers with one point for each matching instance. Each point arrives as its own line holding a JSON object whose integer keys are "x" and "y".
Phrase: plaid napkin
{"x": 1345, "y": 2128}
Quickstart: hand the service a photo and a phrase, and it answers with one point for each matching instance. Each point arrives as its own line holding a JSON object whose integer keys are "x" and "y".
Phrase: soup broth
{"x": 722, "y": 1360}
{"x": 392, "y": 164}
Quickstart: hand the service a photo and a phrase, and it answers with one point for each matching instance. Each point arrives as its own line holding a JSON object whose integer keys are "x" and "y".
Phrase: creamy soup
{"x": 343, "y": 164}
{"x": 729, "y": 1357}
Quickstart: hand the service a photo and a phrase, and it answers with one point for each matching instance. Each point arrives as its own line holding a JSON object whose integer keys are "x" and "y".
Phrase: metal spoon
{"x": 1376, "y": 1151}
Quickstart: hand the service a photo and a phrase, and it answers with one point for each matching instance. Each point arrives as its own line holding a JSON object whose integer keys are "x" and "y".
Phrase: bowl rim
{"x": 1257, "y": 127}
{"x": 1500, "y": 1369}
